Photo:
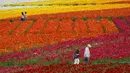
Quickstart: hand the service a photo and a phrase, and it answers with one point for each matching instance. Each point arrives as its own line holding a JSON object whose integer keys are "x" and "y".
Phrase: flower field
{"x": 23, "y": 34}
{"x": 45, "y": 42}
{"x": 63, "y": 68}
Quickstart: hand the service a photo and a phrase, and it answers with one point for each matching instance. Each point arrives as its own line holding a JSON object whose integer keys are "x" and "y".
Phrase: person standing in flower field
{"x": 76, "y": 57}
{"x": 25, "y": 15}
{"x": 23, "y": 18}
{"x": 87, "y": 53}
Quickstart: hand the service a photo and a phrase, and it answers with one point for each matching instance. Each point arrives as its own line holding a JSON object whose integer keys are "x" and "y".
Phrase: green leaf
{"x": 110, "y": 18}
{"x": 85, "y": 19}
{"x": 57, "y": 60}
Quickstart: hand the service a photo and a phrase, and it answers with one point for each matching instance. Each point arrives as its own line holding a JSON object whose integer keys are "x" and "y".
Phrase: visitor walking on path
{"x": 87, "y": 53}
{"x": 76, "y": 57}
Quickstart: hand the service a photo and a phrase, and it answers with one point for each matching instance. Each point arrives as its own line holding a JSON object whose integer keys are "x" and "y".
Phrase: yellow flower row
{"x": 57, "y": 9}
{"x": 66, "y": 2}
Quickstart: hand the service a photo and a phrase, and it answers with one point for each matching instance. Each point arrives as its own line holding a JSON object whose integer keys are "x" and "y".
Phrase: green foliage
{"x": 56, "y": 61}
{"x": 19, "y": 63}
{"x": 85, "y": 19}
{"x": 11, "y": 20}
{"x": 98, "y": 19}
{"x": 106, "y": 61}
{"x": 122, "y": 18}
{"x": 45, "y": 63}
{"x": 35, "y": 47}
{"x": 23, "y": 49}
{"x": 34, "y": 61}
{"x": 9, "y": 63}
{"x": 110, "y": 18}
{"x": 70, "y": 63}
{"x": 74, "y": 19}
{"x": 1, "y": 20}
{"x": 48, "y": 63}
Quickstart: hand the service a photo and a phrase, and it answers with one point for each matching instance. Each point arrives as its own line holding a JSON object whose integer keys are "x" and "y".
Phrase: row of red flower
{"x": 70, "y": 46}
{"x": 64, "y": 68}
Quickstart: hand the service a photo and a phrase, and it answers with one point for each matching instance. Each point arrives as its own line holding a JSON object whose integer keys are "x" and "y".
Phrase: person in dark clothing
{"x": 76, "y": 57}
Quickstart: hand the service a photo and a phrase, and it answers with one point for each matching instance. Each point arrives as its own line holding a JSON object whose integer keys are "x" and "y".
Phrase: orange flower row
{"x": 94, "y": 26}
{"x": 51, "y": 26}
{"x": 23, "y": 26}
{"x": 37, "y": 26}
{"x": 16, "y": 42}
{"x": 108, "y": 26}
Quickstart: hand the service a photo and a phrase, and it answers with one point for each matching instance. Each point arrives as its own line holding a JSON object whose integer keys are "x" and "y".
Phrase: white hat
{"x": 89, "y": 45}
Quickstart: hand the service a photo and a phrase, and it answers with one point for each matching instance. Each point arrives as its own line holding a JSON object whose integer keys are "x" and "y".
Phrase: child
{"x": 76, "y": 57}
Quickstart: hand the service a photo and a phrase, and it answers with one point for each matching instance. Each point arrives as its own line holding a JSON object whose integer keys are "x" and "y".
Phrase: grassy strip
{"x": 47, "y": 63}
{"x": 57, "y": 60}
{"x": 31, "y": 61}
{"x": 14, "y": 29}
{"x": 105, "y": 61}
